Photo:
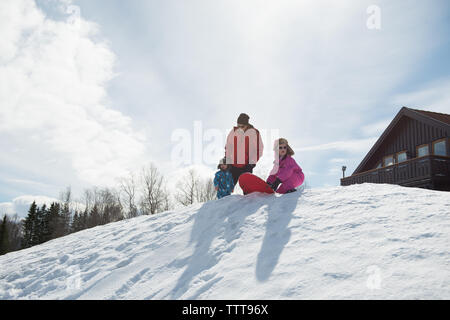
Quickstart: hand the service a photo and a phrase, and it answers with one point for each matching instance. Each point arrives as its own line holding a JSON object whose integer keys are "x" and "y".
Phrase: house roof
{"x": 435, "y": 115}
{"x": 435, "y": 119}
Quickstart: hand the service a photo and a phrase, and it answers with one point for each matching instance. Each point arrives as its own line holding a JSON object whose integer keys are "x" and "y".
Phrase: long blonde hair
{"x": 283, "y": 141}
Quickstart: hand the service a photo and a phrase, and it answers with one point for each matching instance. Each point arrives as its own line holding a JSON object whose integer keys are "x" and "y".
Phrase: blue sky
{"x": 90, "y": 89}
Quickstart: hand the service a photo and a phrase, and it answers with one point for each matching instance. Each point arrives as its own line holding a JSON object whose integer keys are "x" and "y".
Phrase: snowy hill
{"x": 358, "y": 242}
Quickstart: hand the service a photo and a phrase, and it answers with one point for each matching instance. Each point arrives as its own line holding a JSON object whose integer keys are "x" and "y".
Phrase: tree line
{"x": 135, "y": 195}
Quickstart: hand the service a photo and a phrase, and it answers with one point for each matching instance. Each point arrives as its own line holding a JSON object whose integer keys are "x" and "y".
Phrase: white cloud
{"x": 337, "y": 160}
{"x": 298, "y": 66}
{"x": 26, "y": 182}
{"x": 333, "y": 171}
{"x": 375, "y": 129}
{"x": 6, "y": 208}
{"x": 53, "y": 77}
{"x": 354, "y": 146}
{"x": 434, "y": 96}
{"x": 21, "y": 205}
{"x": 311, "y": 69}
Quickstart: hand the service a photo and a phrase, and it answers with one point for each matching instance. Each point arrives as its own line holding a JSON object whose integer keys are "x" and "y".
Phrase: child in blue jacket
{"x": 223, "y": 180}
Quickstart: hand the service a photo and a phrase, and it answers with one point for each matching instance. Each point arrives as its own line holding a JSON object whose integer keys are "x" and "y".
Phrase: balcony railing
{"x": 413, "y": 172}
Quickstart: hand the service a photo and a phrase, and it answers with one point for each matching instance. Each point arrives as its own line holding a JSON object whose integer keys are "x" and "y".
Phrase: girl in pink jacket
{"x": 285, "y": 170}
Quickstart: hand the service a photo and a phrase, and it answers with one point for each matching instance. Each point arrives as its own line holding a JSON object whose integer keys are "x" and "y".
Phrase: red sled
{"x": 250, "y": 183}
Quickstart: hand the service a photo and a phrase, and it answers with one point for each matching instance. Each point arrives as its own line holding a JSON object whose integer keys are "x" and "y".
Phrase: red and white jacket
{"x": 243, "y": 148}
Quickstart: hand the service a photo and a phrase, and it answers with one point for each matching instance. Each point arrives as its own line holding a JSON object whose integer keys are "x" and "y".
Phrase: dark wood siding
{"x": 407, "y": 135}
{"x": 409, "y": 129}
{"x": 431, "y": 172}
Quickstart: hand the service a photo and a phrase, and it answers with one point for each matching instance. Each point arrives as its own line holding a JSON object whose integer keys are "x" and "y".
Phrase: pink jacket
{"x": 284, "y": 168}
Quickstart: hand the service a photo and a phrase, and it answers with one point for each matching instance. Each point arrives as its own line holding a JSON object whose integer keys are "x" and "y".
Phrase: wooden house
{"x": 413, "y": 151}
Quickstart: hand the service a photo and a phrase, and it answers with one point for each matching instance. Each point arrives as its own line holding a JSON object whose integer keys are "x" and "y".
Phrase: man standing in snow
{"x": 244, "y": 147}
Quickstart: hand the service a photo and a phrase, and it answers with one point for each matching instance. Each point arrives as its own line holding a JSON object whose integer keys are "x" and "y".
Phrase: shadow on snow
{"x": 224, "y": 219}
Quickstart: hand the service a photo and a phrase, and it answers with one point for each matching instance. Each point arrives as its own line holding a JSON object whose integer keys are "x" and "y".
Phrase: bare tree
{"x": 193, "y": 189}
{"x": 63, "y": 227}
{"x": 102, "y": 205}
{"x": 15, "y": 233}
{"x": 128, "y": 187}
{"x": 187, "y": 188}
{"x": 205, "y": 190}
{"x": 109, "y": 205}
{"x": 167, "y": 205}
{"x": 88, "y": 199}
{"x": 153, "y": 190}
{"x": 118, "y": 212}
{"x": 10, "y": 234}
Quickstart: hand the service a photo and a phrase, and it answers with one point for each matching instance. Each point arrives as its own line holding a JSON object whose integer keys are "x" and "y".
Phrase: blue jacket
{"x": 223, "y": 180}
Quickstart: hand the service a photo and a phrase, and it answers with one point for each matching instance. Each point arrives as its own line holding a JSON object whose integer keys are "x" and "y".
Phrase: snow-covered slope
{"x": 362, "y": 241}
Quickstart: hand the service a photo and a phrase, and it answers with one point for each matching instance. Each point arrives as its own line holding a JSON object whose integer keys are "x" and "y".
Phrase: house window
{"x": 388, "y": 161}
{"x": 401, "y": 156}
{"x": 440, "y": 147}
{"x": 422, "y": 150}
{"x": 378, "y": 165}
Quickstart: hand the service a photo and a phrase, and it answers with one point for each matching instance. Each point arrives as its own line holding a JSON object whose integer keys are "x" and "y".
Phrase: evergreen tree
{"x": 65, "y": 217}
{"x": 13, "y": 227}
{"x": 53, "y": 221}
{"x": 106, "y": 216}
{"x": 4, "y": 235}
{"x": 77, "y": 223}
{"x": 94, "y": 217}
{"x": 29, "y": 226}
{"x": 84, "y": 220}
{"x": 41, "y": 228}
